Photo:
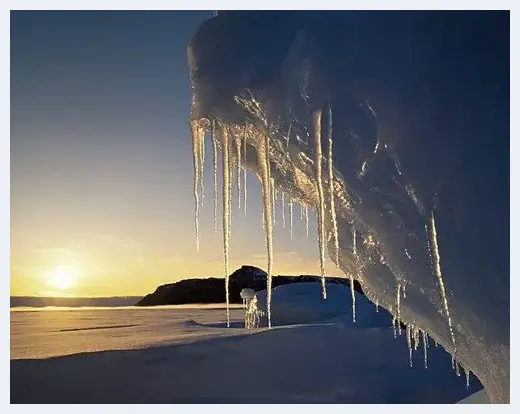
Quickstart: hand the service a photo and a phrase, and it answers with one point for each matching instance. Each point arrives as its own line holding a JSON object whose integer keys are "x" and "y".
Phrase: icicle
{"x": 273, "y": 201}
{"x": 307, "y": 221}
{"x": 265, "y": 175}
{"x": 425, "y": 346}
{"x": 399, "y": 308}
{"x": 354, "y": 249}
{"x": 226, "y": 197}
{"x": 452, "y": 362}
{"x": 321, "y": 201}
{"x": 331, "y": 191}
{"x": 301, "y": 212}
{"x": 404, "y": 291}
{"x": 352, "y": 293}
{"x": 409, "y": 342}
{"x": 377, "y": 306}
{"x": 457, "y": 370}
{"x": 467, "y": 372}
{"x": 416, "y": 338}
{"x": 202, "y": 162}
{"x": 215, "y": 183}
{"x": 393, "y": 326}
{"x": 291, "y": 217}
{"x": 245, "y": 171}
{"x": 196, "y": 157}
{"x": 438, "y": 273}
{"x": 283, "y": 209}
{"x": 239, "y": 172}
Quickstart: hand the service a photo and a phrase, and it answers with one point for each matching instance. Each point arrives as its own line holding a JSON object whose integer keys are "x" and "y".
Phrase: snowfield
{"x": 187, "y": 355}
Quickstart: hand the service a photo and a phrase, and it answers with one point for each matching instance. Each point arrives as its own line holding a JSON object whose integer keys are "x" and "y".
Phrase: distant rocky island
{"x": 213, "y": 290}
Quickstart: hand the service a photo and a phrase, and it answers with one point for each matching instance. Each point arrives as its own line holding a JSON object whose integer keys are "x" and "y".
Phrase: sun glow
{"x": 61, "y": 277}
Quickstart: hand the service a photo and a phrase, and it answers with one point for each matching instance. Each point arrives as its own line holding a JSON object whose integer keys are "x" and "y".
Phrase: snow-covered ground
{"x": 186, "y": 355}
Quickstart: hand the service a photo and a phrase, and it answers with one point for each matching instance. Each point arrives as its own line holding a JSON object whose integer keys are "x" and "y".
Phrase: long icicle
{"x": 226, "y": 197}
{"x": 409, "y": 342}
{"x": 399, "y": 308}
{"x": 353, "y": 295}
{"x": 316, "y": 118}
{"x": 273, "y": 201}
{"x": 202, "y": 155}
{"x": 354, "y": 241}
{"x": 438, "y": 274}
{"x": 283, "y": 209}
{"x": 306, "y": 209}
{"x": 265, "y": 175}
{"x": 239, "y": 171}
{"x": 331, "y": 191}
{"x": 215, "y": 182}
{"x": 245, "y": 170}
{"x": 196, "y": 149}
{"x": 425, "y": 345}
{"x": 291, "y": 217}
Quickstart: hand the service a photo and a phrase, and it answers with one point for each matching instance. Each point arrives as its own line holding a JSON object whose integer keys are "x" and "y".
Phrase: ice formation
{"x": 245, "y": 170}
{"x": 226, "y": 200}
{"x": 379, "y": 154}
{"x": 215, "y": 178}
{"x": 291, "y": 218}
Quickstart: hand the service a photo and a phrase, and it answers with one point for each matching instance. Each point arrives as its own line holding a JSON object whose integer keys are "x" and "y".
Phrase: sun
{"x": 61, "y": 277}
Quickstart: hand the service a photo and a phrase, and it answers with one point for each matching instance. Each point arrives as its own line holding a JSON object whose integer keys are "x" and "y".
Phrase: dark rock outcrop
{"x": 213, "y": 290}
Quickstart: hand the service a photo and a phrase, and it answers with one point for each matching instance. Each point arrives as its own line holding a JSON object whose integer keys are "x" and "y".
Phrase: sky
{"x": 101, "y": 164}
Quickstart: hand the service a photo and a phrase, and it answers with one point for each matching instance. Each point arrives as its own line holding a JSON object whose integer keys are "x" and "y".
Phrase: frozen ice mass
{"x": 394, "y": 128}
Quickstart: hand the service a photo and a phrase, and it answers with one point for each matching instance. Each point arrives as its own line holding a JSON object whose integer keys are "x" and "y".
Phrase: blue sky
{"x": 101, "y": 164}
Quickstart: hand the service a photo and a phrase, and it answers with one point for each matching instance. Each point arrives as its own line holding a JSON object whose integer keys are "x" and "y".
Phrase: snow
{"x": 302, "y": 303}
{"x": 187, "y": 355}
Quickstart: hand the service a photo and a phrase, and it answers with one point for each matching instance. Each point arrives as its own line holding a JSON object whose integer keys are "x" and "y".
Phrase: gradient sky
{"x": 101, "y": 164}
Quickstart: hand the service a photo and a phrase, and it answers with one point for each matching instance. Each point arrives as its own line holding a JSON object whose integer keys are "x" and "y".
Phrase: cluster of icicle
{"x": 232, "y": 141}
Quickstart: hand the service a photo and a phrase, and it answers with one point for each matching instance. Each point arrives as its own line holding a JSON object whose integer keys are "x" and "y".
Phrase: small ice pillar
{"x": 247, "y": 295}
{"x": 252, "y": 314}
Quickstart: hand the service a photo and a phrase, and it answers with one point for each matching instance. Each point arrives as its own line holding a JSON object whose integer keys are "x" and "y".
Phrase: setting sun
{"x": 61, "y": 277}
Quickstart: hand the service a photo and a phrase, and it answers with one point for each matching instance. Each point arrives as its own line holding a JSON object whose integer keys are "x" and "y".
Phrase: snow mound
{"x": 301, "y": 303}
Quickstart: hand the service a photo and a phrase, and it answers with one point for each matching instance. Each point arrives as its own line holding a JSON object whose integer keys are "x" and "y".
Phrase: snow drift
{"x": 302, "y": 303}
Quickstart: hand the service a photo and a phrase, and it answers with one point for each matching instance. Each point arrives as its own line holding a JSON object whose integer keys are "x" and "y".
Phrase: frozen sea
{"x": 186, "y": 354}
